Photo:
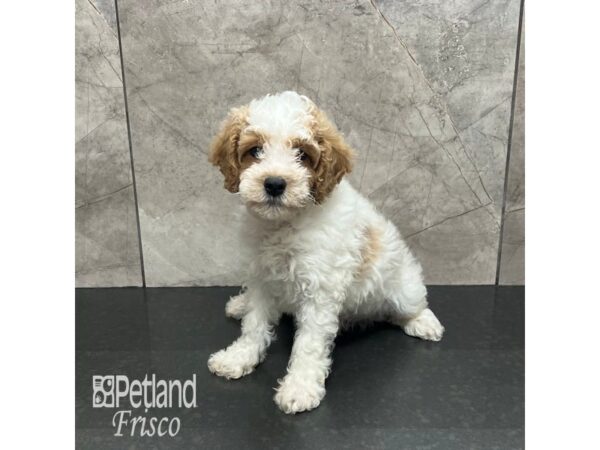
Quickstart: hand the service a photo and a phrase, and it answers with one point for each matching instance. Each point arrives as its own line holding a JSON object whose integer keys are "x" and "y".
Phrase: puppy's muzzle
{"x": 275, "y": 186}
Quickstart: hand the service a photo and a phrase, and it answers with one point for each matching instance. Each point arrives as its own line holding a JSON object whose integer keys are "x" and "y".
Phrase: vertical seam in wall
{"x": 509, "y": 145}
{"x": 135, "y": 196}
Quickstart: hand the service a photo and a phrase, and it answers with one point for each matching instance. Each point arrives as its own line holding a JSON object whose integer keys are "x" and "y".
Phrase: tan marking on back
{"x": 370, "y": 251}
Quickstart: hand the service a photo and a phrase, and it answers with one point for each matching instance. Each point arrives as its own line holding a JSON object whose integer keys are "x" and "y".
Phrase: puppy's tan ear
{"x": 336, "y": 158}
{"x": 223, "y": 150}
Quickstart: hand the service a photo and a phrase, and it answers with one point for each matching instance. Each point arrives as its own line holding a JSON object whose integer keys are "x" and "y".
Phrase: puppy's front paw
{"x": 229, "y": 364}
{"x": 295, "y": 395}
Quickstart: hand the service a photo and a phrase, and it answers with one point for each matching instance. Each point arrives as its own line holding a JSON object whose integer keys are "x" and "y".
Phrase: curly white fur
{"x": 326, "y": 264}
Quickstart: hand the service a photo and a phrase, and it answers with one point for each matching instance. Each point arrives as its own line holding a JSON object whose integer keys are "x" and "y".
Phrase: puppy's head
{"x": 281, "y": 154}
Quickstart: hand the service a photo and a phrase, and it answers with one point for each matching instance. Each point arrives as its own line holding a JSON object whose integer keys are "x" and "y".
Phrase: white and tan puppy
{"x": 320, "y": 251}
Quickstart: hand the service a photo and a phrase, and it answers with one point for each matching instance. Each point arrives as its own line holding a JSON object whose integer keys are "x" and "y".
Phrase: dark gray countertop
{"x": 387, "y": 390}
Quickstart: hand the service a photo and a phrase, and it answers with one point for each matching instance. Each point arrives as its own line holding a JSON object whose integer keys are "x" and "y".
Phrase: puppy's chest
{"x": 279, "y": 256}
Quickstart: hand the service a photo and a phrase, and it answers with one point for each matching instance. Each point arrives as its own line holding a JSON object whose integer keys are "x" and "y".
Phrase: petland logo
{"x": 109, "y": 391}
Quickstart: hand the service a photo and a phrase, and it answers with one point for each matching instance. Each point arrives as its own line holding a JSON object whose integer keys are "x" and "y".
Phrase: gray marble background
{"x": 106, "y": 237}
{"x": 423, "y": 90}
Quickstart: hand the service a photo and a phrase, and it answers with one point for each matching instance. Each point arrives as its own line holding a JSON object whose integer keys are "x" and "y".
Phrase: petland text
{"x": 110, "y": 391}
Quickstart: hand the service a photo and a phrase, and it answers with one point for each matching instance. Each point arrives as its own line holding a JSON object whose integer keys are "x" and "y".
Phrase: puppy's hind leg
{"x": 424, "y": 326}
{"x": 406, "y": 298}
{"x": 237, "y": 306}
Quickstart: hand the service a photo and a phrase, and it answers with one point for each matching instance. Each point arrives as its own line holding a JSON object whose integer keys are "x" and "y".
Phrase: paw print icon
{"x": 103, "y": 391}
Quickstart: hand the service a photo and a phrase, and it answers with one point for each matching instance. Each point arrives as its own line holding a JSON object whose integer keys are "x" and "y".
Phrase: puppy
{"x": 319, "y": 250}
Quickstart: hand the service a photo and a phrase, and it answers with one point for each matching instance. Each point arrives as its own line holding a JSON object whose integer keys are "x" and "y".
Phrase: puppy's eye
{"x": 302, "y": 156}
{"x": 255, "y": 152}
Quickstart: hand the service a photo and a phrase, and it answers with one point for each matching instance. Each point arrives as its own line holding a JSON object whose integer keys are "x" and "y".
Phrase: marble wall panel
{"x": 466, "y": 50}
{"x": 512, "y": 260}
{"x": 106, "y": 241}
{"x": 421, "y": 90}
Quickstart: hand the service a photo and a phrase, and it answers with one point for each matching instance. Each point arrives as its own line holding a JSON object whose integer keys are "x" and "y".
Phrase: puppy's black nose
{"x": 275, "y": 186}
